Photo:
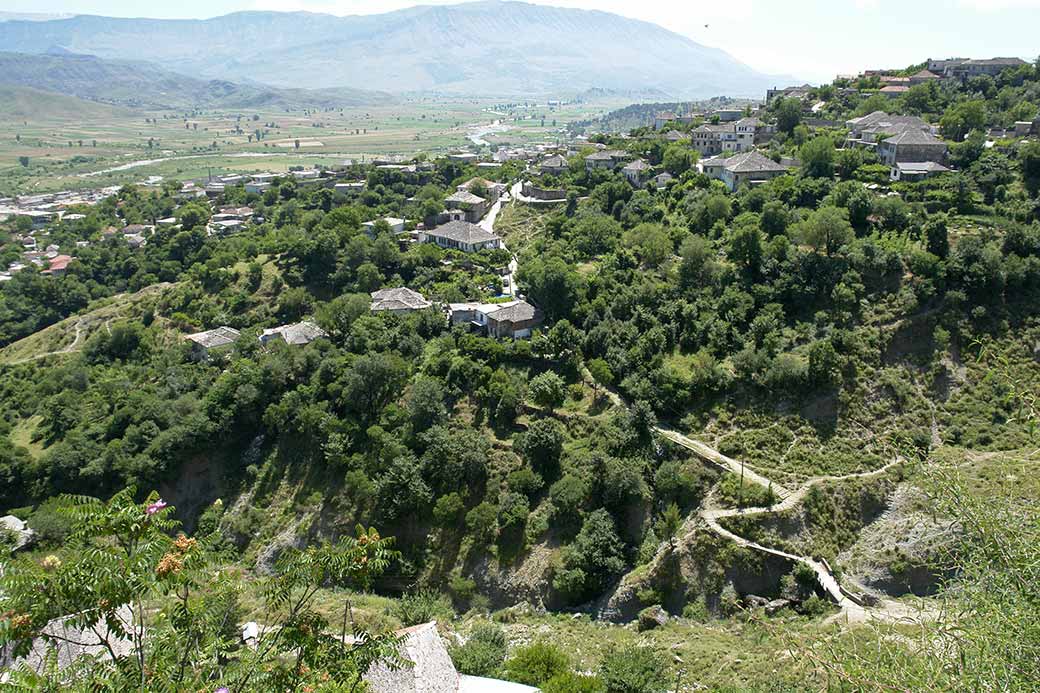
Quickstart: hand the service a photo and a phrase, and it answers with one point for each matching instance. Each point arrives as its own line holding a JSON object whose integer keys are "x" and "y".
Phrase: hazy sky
{"x": 813, "y": 39}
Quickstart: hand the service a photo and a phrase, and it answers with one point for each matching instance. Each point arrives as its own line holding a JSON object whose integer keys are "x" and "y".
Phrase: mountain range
{"x": 489, "y": 48}
{"x": 144, "y": 85}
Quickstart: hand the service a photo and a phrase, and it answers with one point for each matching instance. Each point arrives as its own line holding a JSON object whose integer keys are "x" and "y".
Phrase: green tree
{"x": 166, "y": 610}
{"x": 678, "y": 159}
{"x": 827, "y": 229}
{"x": 817, "y": 157}
{"x": 961, "y": 118}
{"x": 788, "y": 114}
{"x": 1029, "y": 160}
{"x": 547, "y": 390}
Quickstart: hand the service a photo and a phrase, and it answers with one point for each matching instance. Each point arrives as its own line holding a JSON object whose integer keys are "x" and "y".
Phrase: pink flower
{"x": 222, "y": 689}
{"x": 155, "y": 507}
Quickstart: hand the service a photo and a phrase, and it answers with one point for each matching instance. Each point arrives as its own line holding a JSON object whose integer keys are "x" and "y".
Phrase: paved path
{"x": 488, "y": 224}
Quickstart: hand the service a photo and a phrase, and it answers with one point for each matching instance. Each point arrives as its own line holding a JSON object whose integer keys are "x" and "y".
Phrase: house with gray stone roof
{"x": 636, "y": 172}
{"x": 205, "y": 344}
{"x": 748, "y": 168}
{"x": 461, "y": 235}
{"x": 472, "y": 206}
{"x": 554, "y": 165}
{"x": 399, "y": 300}
{"x": 912, "y": 145}
{"x": 607, "y": 159}
{"x": 296, "y": 334}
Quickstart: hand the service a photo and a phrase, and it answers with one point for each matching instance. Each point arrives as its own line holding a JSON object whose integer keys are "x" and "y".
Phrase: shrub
{"x": 573, "y": 683}
{"x": 633, "y": 670}
{"x": 537, "y": 663}
{"x": 483, "y": 653}
{"x": 422, "y": 607}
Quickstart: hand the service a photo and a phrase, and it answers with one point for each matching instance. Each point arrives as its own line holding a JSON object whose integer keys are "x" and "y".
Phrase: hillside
{"x": 142, "y": 85}
{"x": 491, "y": 47}
{"x": 17, "y": 102}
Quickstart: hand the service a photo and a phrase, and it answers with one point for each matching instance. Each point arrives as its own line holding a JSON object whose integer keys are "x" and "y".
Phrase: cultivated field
{"x": 71, "y": 143}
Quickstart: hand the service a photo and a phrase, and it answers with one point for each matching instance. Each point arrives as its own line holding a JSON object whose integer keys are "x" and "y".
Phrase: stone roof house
{"x": 747, "y": 168}
{"x": 916, "y": 170}
{"x": 912, "y": 145}
{"x": 636, "y": 172}
{"x": 461, "y": 235}
{"x": 204, "y": 343}
{"x": 295, "y": 334}
{"x": 473, "y": 206}
{"x": 606, "y": 159}
{"x": 510, "y": 320}
{"x": 554, "y": 165}
{"x": 399, "y": 300}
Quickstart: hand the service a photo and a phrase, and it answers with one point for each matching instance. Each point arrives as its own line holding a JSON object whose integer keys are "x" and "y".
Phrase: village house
{"x": 607, "y": 159}
{"x": 473, "y": 208}
{"x": 800, "y": 92}
{"x": 923, "y": 77}
{"x": 399, "y": 300}
{"x": 57, "y": 265}
{"x": 350, "y": 188}
{"x": 865, "y": 132}
{"x": 204, "y": 344}
{"x": 463, "y": 158}
{"x": 296, "y": 334}
{"x": 493, "y": 189}
{"x": 396, "y": 225}
{"x": 894, "y": 91}
{"x": 911, "y": 172}
{"x": 674, "y": 136}
{"x": 967, "y": 69}
{"x": 707, "y": 138}
{"x": 727, "y": 115}
{"x": 461, "y": 235}
{"x": 661, "y": 181}
{"x": 912, "y": 145}
{"x": 554, "y": 165}
{"x": 509, "y": 320}
{"x": 636, "y": 172}
{"x": 746, "y": 168}
{"x": 664, "y": 118}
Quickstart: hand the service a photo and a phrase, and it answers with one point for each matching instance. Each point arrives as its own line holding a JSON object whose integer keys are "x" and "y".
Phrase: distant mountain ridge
{"x": 492, "y": 47}
{"x": 142, "y": 85}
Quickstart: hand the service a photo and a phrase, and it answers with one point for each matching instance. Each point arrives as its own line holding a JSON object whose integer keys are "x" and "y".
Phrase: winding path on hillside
{"x": 853, "y": 608}
{"x": 67, "y": 349}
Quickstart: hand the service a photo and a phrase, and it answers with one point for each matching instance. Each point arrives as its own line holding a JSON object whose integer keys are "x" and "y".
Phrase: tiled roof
{"x": 401, "y": 298}
{"x": 637, "y": 165}
{"x": 297, "y": 333}
{"x": 914, "y": 136}
{"x": 751, "y": 162}
{"x": 220, "y": 336}
{"x": 921, "y": 166}
{"x": 464, "y": 197}
{"x": 462, "y": 232}
{"x": 518, "y": 312}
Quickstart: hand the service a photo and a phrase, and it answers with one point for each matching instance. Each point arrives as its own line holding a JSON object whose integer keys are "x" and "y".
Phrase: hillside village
{"x": 666, "y": 378}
